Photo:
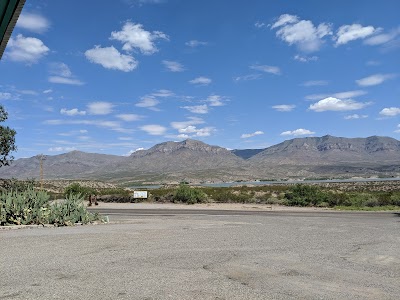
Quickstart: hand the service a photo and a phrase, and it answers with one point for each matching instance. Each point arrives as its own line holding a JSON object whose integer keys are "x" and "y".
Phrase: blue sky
{"x": 116, "y": 76}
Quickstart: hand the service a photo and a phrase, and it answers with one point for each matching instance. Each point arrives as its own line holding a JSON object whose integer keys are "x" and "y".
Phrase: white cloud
{"x": 284, "y": 107}
{"x": 266, "y": 69}
{"x": 303, "y": 58}
{"x": 72, "y": 112}
{"x": 201, "y": 81}
{"x": 26, "y": 49}
{"x": 390, "y": 111}
{"x": 192, "y": 131}
{"x": 298, "y": 132}
{"x": 382, "y": 38}
{"x": 249, "y": 135}
{"x": 83, "y": 131}
{"x": 5, "y": 96}
{"x": 334, "y": 104}
{"x": 197, "y": 109}
{"x": 112, "y": 125}
{"x": 259, "y": 24}
{"x": 47, "y": 91}
{"x": 343, "y": 95}
{"x": 247, "y": 77}
{"x": 397, "y": 130}
{"x": 162, "y": 93}
{"x": 191, "y": 121}
{"x": 133, "y": 151}
{"x": 215, "y": 100}
{"x": 348, "y": 33}
{"x": 61, "y": 149}
{"x": 355, "y": 116}
{"x": 315, "y": 83}
{"x": 173, "y": 66}
{"x": 154, "y": 129}
{"x": 100, "y": 108}
{"x": 111, "y": 58}
{"x": 302, "y": 33}
{"x": 133, "y": 36}
{"x": 373, "y": 63}
{"x": 374, "y": 79}
{"x": 65, "y": 80}
{"x": 33, "y": 22}
{"x": 195, "y": 43}
{"x": 148, "y": 102}
{"x": 129, "y": 117}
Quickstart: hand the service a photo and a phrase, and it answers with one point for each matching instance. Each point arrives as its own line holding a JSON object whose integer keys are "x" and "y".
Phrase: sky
{"x": 117, "y": 76}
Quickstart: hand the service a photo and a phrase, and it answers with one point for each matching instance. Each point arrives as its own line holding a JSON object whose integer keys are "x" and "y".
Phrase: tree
{"x": 7, "y": 140}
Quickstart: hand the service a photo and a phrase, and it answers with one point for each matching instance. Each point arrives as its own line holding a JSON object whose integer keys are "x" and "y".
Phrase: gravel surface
{"x": 310, "y": 255}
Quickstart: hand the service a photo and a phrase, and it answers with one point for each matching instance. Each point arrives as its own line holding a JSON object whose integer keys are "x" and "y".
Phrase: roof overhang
{"x": 9, "y": 13}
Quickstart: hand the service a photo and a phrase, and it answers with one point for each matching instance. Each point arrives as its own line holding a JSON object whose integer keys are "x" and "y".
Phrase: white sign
{"x": 140, "y": 194}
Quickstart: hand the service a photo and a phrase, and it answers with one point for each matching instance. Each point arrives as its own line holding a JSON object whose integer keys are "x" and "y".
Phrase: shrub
{"x": 305, "y": 195}
{"x": 189, "y": 195}
{"x": 77, "y": 189}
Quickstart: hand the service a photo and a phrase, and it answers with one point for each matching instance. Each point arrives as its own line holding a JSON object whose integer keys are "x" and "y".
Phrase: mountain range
{"x": 195, "y": 161}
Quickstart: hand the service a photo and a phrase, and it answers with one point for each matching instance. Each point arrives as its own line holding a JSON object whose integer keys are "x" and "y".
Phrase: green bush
{"x": 32, "y": 207}
{"x": 306, "y": 195}
{"x": 186, "y": 194}
{"x": 77, "y": 189}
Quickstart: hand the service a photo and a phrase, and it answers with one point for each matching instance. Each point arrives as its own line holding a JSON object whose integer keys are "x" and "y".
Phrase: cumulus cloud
{"x": 201, "y": 81}
{"x": 195, "y": 43}
{"x": 355, "y": 117}
{"x": 133, "y": 37}
{"x": 33, "y": 22}
{"x": 111, "y": 58}
{"x": 72, "y": 112}
{"x": 100, "y": 108}
{"x": 301, "y": 33}
{"x": 26, "y": 49}
{"x": 129, "y": 117}
{"x": 267, "y": 69}
{"x": 173, "y": 66}
{"x": 298, "y": 132}
{"x": 374, "y": 79}
{"x": 61, "y": 73}
{"x": 197, "y": 109}
{"x": 348, "y": 33}
{"x": 284, "y": 107}
{"x": 390, "y": 111}
{"x": 341, "y": 95}
{"x": 192, "y": 131}
{"x": 154, "y": 129}
{"x": 335, "y": 104}
{"x": 249, "y": 135}
{"x": 304, "y": 58}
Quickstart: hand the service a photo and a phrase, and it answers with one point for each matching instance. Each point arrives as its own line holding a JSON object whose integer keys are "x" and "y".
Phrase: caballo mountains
{"x": 195, "y": 161}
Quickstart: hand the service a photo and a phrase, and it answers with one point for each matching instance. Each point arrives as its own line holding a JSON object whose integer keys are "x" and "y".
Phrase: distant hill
{"x": 195, "y": 161}
{"x": 246, "y": 153}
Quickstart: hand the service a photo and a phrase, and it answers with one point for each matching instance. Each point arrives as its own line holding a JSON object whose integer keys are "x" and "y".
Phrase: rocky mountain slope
{"x": 196, "y": 161}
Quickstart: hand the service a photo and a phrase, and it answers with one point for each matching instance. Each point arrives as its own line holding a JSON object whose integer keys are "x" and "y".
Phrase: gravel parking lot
{"x": 270, "y": 255}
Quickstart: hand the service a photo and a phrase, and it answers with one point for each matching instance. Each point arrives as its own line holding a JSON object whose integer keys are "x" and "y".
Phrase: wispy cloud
{"x": 148, "y": 102}
{"x": 304, "y": 58}
{"x": 197, "y": 109}
{"x": 341, "y": 95}
{"x": 190, "y": 122}
{"x": 267, "y": 69}
{"x": 100, "y": 108}
{"x": 201, "y": 81}
{"x": 72, "y": 112}
{"x": 192, "y": 132}
{"x": 247, "y": 77}
{"x": 355, "y": 117}
{"x": 154, "y": 129}
{"x": 374, "y": 79}
{"x": 284, "y": 107}
{"x": 196, "y": 43}
{"x": 315, "y": 83}
{"x": 173, "y": 66}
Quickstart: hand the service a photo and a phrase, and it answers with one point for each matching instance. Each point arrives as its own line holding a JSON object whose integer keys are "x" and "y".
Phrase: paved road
{"x": 195, "y": 254}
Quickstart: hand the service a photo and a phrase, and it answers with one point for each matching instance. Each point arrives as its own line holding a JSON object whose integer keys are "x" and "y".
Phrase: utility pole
{"x": 41, "y": 159}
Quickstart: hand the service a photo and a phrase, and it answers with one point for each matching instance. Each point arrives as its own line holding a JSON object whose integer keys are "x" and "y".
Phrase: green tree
{"x": 7, "y": 140}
